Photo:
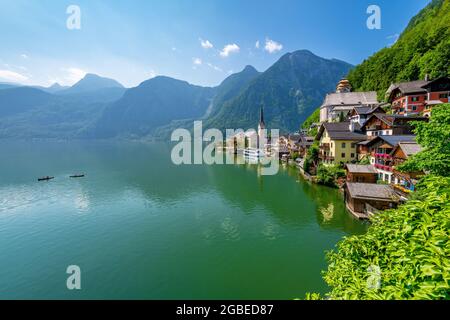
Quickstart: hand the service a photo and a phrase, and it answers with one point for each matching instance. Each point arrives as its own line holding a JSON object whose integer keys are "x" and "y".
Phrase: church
{"x": 344, "y": 100}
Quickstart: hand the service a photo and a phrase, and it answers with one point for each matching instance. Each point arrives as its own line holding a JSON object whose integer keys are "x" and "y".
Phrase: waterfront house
{"x": 365, "y": 199}
{"x": 293, "y": 142}
{"x": 405, "y": 182}
{"x": 416, "y": 97}
{"x": 341, "y": 102}
{"x": 381, "y": 124}
{"x": 338, "y": 141}
{"x": 380, "y": 154}
{"x": 361, "y": 173}
{"x": 304, "y": 145}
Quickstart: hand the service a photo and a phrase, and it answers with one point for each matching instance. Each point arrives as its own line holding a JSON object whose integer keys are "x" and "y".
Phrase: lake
{"x": 140, "y": 227}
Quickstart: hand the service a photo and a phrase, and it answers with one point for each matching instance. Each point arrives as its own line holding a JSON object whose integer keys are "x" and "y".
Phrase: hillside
{"x": 289, "y": 91}
{"x": 154, "y": 103}
{"x": 423, "y": 48}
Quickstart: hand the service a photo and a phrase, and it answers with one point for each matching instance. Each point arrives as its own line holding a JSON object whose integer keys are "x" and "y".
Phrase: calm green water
{"x": 140, "y": 227}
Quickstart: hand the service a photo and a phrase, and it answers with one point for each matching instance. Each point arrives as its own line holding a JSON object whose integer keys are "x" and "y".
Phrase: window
{"x": 415, "y": 99}
{"x": 353, "y": 145}
{"x": 352, "y": 155}
{"x": 343, "y": 144}
{"x": 386, "y": 178}
{"x": 342, "y": 155}
{"x": 443, "y": 96}
{"x": 414, "y": 108}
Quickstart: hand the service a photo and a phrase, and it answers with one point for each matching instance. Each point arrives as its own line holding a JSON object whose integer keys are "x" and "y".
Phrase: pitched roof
{"x": 410, "y": 148}
{"x": 394, "y": 119}
{"x": 350, "y": 136}
{"x": 350, "y": 98}
{"x": 392, "y": 140}
{"x": 408, "y": 87}
{"x": 341, "y": 131}
{"x": 361, "y": 168}
{"x": 367, "y": 110}
{"x": 429, "y": 83}
{"x": 371, "y": 191}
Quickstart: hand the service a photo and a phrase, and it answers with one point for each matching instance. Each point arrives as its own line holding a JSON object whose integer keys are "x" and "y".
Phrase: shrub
{"x": 404, "y": 255}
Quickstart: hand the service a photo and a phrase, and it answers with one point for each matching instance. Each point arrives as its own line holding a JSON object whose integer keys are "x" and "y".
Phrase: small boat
{"x": 47, "y": 178}
{"x": 77, "y": 176}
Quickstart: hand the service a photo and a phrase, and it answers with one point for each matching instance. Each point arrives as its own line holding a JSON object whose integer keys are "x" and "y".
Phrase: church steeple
{"x": 261, "y": 124}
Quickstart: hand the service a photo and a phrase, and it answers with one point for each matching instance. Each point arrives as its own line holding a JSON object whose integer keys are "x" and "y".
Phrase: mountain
{"x": 56, "y": 87}
{"x": 94, "y": 89}
{"x": 7, "y": 85}
{"x": 90, "y": 83}
{"x": 21, "y": 99}
{"x": 154, "y": 103}
{"x": 231, "y": 87}
{"x": 288, "y": 91}
{"x": 423, "y": 48}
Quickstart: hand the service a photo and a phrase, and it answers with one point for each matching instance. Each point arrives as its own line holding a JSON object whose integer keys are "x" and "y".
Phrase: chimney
{"x": 427, "y": 77}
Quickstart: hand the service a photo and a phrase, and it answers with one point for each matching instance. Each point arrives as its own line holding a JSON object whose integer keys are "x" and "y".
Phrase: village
{"x": 360, "y": 137}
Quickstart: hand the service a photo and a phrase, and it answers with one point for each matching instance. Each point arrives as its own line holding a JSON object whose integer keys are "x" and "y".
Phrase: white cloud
{"x": 73, "y": 75}
{"x": 214, "y": 67}
{"x": 24, "y": 56}
{"x": 257, "y": 44}
{"x": 152, "y": 74}
{"x": 229, "y": 49}
{"x": 206, "y": 44}
{"x": 272, "y": 46}
{"x": 7, "y": 75}
{"x": 197, "y": 61}
{"x": 393, "y": 38}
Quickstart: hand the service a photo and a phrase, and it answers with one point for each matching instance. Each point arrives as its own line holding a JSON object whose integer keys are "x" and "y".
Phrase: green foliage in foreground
{"x": 434, "y": 137}
{"x": 327, "y": 175}
{"x": 409, "y": 246}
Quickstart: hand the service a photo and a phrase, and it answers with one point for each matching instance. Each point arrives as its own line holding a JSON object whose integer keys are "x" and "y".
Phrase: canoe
{"x": 78, "y": 176}
{"x": 46, "y": 178}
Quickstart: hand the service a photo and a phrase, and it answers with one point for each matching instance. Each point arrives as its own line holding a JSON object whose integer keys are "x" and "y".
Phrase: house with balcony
{"x": 405, "y": 182}
{"x": 338, "y": 141}
{"x": 381, "y": 124}
{"x": 380, "y": 154}
{"x": 418, "y": 97}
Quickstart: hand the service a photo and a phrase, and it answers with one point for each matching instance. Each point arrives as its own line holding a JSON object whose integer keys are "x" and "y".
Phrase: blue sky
{"x": 200, "y": 41}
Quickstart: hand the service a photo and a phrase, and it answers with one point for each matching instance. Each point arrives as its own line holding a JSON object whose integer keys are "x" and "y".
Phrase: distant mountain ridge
{"x": 288, "y": 91}
{"x": 92, "y": 82}
{"x": 98, "y": 107}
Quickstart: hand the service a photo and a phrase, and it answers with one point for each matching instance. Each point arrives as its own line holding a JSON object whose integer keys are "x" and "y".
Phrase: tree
{"x": 312, "y": 157}
{"x": 434, "y": 137}
{"x": 328, "y": 175}
{"x": 403, "y": 255}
